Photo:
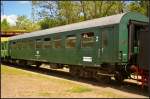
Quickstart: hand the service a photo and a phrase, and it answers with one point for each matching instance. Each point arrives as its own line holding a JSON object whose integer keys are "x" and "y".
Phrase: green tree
{"x": 44, "y": 23}
{"x": 69, "y": 11}
{"x": 33, "y": 3}
{"x": 139, "y": 6}
{"x": 25, "y": 24}
{"x": 66, "y": 12}
{"x": 47, "y": 22}
{"x": 5, "y": 25}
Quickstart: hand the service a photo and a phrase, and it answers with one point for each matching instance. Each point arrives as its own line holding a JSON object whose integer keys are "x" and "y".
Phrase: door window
{"x": 87, "y": 40}
{"x": 47, "y": 43}
{"x": 38, "y": 43}
{"x": 104, "y": 39}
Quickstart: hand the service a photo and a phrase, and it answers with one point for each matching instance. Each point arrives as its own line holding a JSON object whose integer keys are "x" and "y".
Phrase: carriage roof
{"x": 103, "y": 21}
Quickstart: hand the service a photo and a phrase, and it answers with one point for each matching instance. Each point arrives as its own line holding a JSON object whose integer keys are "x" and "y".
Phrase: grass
{"x": 44, "y": 94}
{"x": 66, "y": 86}
{"x": 8, "y": 70}
{"x": 14, "y": 71}
{"x": 79, "y": 89}
{"x": 110, "y": 94}
{"x": 19, "y": 72}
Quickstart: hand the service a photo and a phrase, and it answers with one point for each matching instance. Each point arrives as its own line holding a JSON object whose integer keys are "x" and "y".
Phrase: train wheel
{"x": 22, "y": 62}
{"x": 74, "y": 71}
{"x": 38, "y": 64}
{"x": 103, "y": 79}
{"x": 118, "y": 77}
{"x": 108, "y": 79}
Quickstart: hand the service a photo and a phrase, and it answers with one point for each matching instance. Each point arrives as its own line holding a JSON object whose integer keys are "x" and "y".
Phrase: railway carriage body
{"x": 109, "y": 42}
{"x": 4, "y": 48}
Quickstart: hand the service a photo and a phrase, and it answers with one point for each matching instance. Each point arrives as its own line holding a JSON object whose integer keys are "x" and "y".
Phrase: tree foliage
{"x": 139, "y": 6}
{"x": 23, "y": 23}
{"x": 47, "y": 14}
{"x": 5, "y": 25}
{"x": 55, "y": 13}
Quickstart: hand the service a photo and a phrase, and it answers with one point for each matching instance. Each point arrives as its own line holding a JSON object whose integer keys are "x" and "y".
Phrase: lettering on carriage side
{"x": 99, "y": 52}
{"x": 87, "y": 59}
{"x": 37, "y": 54}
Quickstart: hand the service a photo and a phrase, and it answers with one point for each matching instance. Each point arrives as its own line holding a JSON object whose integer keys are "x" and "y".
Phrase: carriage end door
{"x": 107, "y": 44}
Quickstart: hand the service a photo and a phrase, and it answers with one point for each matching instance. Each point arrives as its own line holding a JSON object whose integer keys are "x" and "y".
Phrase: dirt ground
{"x": 18, "y": 83}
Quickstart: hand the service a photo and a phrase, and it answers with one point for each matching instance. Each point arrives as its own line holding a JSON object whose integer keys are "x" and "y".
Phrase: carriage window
{"x": 57, "y": 43}
{"x": 38, "y": 43}
{"x": 27, "y": 44}
{"x": 71, "y": 41}
{"x": 47, "y": 43}
{"x": 2, "y": 46}
{"x": 87, "y": 40}
{"x": 23, "y": 44}
{"x": 19, "y": 45}
{"x": 47, "y": 39}
{"x": 30, "y": 44}
{"x": 104, "y": 39}
{"x": 13, "y": 44}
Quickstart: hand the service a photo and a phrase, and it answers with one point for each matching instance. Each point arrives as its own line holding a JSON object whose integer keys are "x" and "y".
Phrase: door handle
{"x": 102, "y": 49}
{"x": 99, "y": 52}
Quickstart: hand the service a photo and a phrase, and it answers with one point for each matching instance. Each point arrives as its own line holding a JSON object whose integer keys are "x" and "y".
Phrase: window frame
{"x": 83, "y": 41}
{"x": 47, "y": 43}
{"x": 56, "y": 39}
{"x": 37, "y": 41}
{"x": 104, "y": 39}
{"x": 66, "y": 38}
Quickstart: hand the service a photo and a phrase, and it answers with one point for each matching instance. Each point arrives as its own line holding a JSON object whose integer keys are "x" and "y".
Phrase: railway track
{"x": 127, "y": 85}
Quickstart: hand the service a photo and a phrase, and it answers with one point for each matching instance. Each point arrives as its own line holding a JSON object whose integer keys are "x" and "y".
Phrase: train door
{"x": 87, "y": 48}
{"x": 107, "y": 44}
{"x": 143, "y": 57}
{"x": 138, "y": 42}
{"x": 38, "y": 47}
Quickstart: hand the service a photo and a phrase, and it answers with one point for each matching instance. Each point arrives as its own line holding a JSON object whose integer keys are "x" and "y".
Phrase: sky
{"x": 12, "y": 9}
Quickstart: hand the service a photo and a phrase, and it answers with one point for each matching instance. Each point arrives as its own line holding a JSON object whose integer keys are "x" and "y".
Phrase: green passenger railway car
{"x": 107, "y": 46}
{"x": 4, "y": 48}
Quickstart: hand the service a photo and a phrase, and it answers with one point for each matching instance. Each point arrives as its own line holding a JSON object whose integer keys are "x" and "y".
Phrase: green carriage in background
{"x": 4, "y": 48}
